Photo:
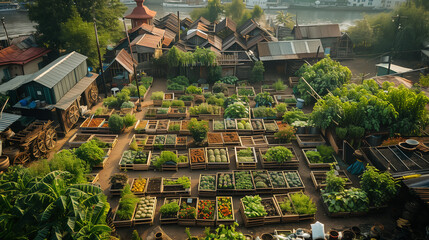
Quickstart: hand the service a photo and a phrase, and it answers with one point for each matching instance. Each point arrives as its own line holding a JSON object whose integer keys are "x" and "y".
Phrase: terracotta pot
{"x": 4, "y": 163}
{"x": 333, "y": 235}
{"x": 158, "y": 236}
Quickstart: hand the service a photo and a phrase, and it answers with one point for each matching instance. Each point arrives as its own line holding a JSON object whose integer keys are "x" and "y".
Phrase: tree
{"x": 258, "y": 72}
{"x": 235, "y": 10}
{"x": 285, "y": 18}
{"x": 211, "y": 12}
{"x": 361, "y": 33}
{"x": 257, "y": 12}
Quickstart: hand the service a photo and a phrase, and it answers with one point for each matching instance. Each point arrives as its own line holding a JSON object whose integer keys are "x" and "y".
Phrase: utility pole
{"x": 396, "y": 19}
{"x": 7, "y": 35}
{"x": 99, "y": 59}
{"x": 139, "y": 108}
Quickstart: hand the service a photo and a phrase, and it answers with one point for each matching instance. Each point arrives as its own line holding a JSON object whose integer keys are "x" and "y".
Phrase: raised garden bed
{"x": 224, "y": 211}
{"x": 206, "y": 212}
{"x": 317, "y": 163}
{"x": 207, "y": 185}
{"x": 278, "y": 181}
{"x": 115, "y": 190}
{"x": 167, "y": 166}
{"x": 140, "y": 139}
{"x": 151, "y": 113}
{"x": 162, "y": 113}
{"x": 154, "y": 186}
{"x": 245, "y": 157}
{"x": 184, "y": 128}
{"x": 258, "y": 126}
{"x": 151, "y": 126}
{"x": 252, "y": 221}
{"x": 294, "y": 180}
{"x": 319, "y": 178}
{"x": 230, "y": 138}
{"x": 135, "y": 160}
{"x": 256, "y": 141}
{"x": 244, "y": 183}
{"x": 138, "y": 186}
{"x": 117, "y": 222}
{"x": 225, "y": 183}
{"x": 271, "y": 126}
{"x": 214, "y": 139}
{"x": 217, "y": 158}
{"x": 170, "y": 140}
{"x": 145, "y": 211}
{"x": 183, "y": 160}
{"x": 174, "y": 127}
{"x": 291, "y": 164}
{"x": 230, "y": 125}
{"x": 310, "y": 140}
{"x": 168, "y": 96}
{"x": 178, "y": 112}
{"x": 108, "y": 139}
{"x": 159, "y": 141}
{"x": 246, "y": 92}
{"x": 78, "y": 139}
{"x": 188, "y": 211}
{"x": 219, "y": 125}
{"x": 293, "y": 81}
{"x": 262, "y": 182}
{"x": 162, "y": 126}
{"x": 182, "y": 142}
{"x": 169, "y": 219}
{"x": 244, "y": 126}
{"x": 105, "y": 113}
{"x": 302, "y": 217}
{"x": 264, "y": 113}
{"x": 172, "y": 187}
{"x": 197, "y": 158}
{"x": 290, "y": 100}
{"x": 288, "y": 212}
{"x": 141, "y": 126}
{"x": 92, "y": 123}
{"x": 273, "y": 142}
{"x": 273, "y": 211}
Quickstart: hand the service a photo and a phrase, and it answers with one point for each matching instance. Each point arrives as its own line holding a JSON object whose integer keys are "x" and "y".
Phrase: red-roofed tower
{"x": 141, "y": 14}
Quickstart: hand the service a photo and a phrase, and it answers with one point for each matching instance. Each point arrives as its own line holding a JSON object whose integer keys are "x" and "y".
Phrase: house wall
{"x": 32, "y": 66}
{"x": 331, "y": 43}
{"x": 63, "y": 86}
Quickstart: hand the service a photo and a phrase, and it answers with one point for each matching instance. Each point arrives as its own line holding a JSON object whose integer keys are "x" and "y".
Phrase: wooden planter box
{"x": 207, "y": 222}
{"x": 279, "y": 190}
{"x": 175, "y": 112}
{"x": 334, "y": 214}
{"x": 257, "y": 130}
{"x": 267, "y": 190}
{"x": 141, "y": 126}
{"x": 244, "y": 131}
{"x": 271, "y": 123}
{"x": 110, "y": 140}
{"x": 214, "y": 139}
{"x": 107, "y": 152}
{"x": 188, "y": 222}
{"x": 231, "y": 138}
{"x": 207, "y": 116}
{"x": 241, "y": 192}
{"x": 225, "y": 221}
{"x": 157, "y": 103}
{"x": 78, "y": 139}
{"x": 281, "y": 99}
{"x": 92, "y": 125}
{"x": 151, "y": 126}
{"x": 197, "y": 165}
{"x": 171, "y": 167}
{"x": 219, "y": 122}
{"x": 169, "y": 96}
{"x": 217, "y": 165}
{"x": 145, "y": 187}
{"x": 273, "y": 142}
{"x": 123, "y": 223}
{"x": 134, "y": 166}
{"x": 158, "y": 142}
{"x": 317, "y": 165}
{"x": 224, "y": 191}
{"x": 170, "y": 144}
{"x": 207, "y": 192}
{"x": 106, "y": 115}
{"x": 183, "y": 128}
{"x": 170, "y": 220}
{"x": 162, "y": 114}
{"x": 272, "y": 219}
{"x": 256, "y": 141}
{"x": 319, "y": 178}
{"x": 291, "y": 185}
{"x": 251, "y": 222}
{"x": 124, "y": 111}
{"x": 185, "y": 164}
{"x": 175, "y": 190}
{"x": 261, "y": 118}
{"x": 145, "y": 221}
{"x": 230, "y": 125}
{"x": 303, "y": 217}
{"x": 117, "y": 191}
{"x": 293, "y": 81}
{"x": 310, "y": 140}
{"x": 245, "y": 165}
{"x": 286, "y": 218}
{"x": 172, "y": 123}
{"x": 292, "y": 164}
{"x": 250, "y": 97}
{"x": 140, "y": 139}
{"x": 162, "y": 126}
{"x": 181, "y": 142}
{"x": 154, "y": 181}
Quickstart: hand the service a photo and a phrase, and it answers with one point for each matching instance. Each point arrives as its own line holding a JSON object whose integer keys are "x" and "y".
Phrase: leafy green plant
{"x": 264, "y": 99}
{"x": 123, "y": 96}
{"x": 220, "y": 87}
{"x": 245, "y": 92}
{"x": 341, "y": 132}
{"x": 166, "y": 103}
{"x": 198, "y": 129}
{"x": 127, "y": 204}
{"x": 229, "y": 80}
{"x": 225, "y": 232}
{"x": 349, "y": 200}
{"x": 236, "y": 110}
{"x": 278, "y": 154}
{"x": 257, "y": 72}
{"x": 177, "y": 103}
{"x": 325, "y": 152}
{"x": 169, "y": 209}
{"x": 146, "y": 82}
{"x": 193, "y": 90}
{"x": 111, "y": 102}
{"x": 116, "y": 123}
{"x": 286, "y": 206}
{"x": 281, "y": 108}
{"x": 279, "y": 85}
{"x": 303, "y": 203}
{"x": 294, "y": 115}
{"x": 424, "y": 80}
{"x": 90, "y": 152}
{"x": 261, "y": 112}
{"x": 243, "y": 180}
{"x": 204, "y": 108}
{"x": 165, "y": 157}
{"x": 334, "y": 183}
{"x": 157, "y": 95}
{"x": 184, "y": 181}
{"x": 174, "y": 127}
{"x": 379, "y": 186}
{"x": 187, "y": 97}
{"x": 253, "y": 206}
{"x": 129, "y": 120}
{"x": 286, "y": 134}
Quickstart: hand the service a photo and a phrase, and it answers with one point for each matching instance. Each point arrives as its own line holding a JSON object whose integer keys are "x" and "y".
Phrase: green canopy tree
{"x": 211, "y": 12}
{"x": 285, "y": 19}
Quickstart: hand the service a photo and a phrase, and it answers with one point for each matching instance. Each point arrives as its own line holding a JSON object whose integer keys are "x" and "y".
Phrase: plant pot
{"x": 267, "y": 236}
{"x": 348, "y": 235}
{"x": 374, "y": 140}
{"x": 158, "y": 236}
{"x": 299, "y": 103}
{"x": 4, "y": 163}
{"x": 333, "y": 235}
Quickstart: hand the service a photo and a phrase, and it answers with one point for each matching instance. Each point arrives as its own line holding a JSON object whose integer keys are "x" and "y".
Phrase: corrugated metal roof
{"x": 75, "y": 92}
{"x": 317, "y": 31}
{"x": 147, "y": 40}
{"x": 125, "y": 60}
{"x": 393, "y": 67}
{"x": 54, "y": 72}
{"x": 7, "y": 119}
{"x": 15, "y": 83}
{"x": 283, "y": 50}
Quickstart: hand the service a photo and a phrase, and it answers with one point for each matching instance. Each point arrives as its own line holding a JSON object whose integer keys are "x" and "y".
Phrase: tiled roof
{"x": 141, "y": 12}
{"x": 125, "y": 60}
{"x": 149, "y": 29}
{"x": 15, "y": 55}
{"x": 231, "y": 39}
{"x": 147, "y": 40}
{"x": 214, "y": 41}
{"x": 226, "y": 23}
{"x": 283, "y": 50}
{"x": 316, "y": 31}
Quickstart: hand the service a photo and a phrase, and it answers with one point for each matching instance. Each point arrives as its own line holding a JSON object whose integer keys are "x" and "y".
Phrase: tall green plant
{"x": 198, "y": 129}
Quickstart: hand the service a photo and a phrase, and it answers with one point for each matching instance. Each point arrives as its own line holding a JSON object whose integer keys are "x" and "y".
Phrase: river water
{"x": 18, "y": 23}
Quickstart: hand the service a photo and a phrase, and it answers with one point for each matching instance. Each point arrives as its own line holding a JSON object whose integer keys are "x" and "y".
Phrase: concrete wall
{"x": 32, "y": 66}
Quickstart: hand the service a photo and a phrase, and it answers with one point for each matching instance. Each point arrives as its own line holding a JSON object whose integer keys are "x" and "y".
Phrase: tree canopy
{"x": 285, "y": 18}
{"x": 211, "y": 12}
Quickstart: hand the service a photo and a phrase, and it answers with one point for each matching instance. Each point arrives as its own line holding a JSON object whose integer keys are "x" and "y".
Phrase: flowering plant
{"x": 206, "y": 209}
{"x": 224, "y": 208}
{"x": 187, "y": 212}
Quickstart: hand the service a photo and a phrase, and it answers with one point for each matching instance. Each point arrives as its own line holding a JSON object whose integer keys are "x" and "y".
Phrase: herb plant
{"x": 278, "y": 154}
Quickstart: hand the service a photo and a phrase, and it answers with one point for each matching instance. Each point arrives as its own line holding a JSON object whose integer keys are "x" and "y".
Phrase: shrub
{"x": 175, "y": 86}
{"x": 278, "y": 154}
{"x": 264, "y": 99}
{"x": 294, "y": 115}
{"x": 303, "y": 203}
{"x": 194, "y": 90}
{"x": 157, "y": 95}
{"x": 219, "y": 87}
{"x": 166, "y": 103}
{"x": 166, "y": 156}
{"x": 177, "y": 103}
{"x": 174, "y": 127}
{"x": 334, "y": 183}
{"x": 127, "y": 203}
{"x": 341, "y": 132}
{"x": 116, "y": 123}
{"x": 198, "y": 129}
{"x": 110, "y": 102}
{"x": 424, "y": 80}
{"x": 379, "y": 186}
{"x": 90, "y": 152}
{"x": 127, "y": 105}
{"x": 257, "y": 72}
{"x": 129, "y": 120}
{"x": 181, "y": 80}
{"x": 123, "y": 97}
{"x": 132, "y": 89}
{"x": 169, "y": 208}
{"x": 286, "y": 135}
{"x": 187, "y": 97}
{"x": 279, "y": 85}
{"x": 146, "y": 81}
{"x": 281, "y": 108}
{"x": 264, "y": 112}
{"x": 236, "y": 110}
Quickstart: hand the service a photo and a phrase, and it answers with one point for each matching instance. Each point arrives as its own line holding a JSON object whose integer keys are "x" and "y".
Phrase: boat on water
{"x": 265, "y": 4}
{"x": 184, "y": 4}
{"x": 128, "y": 2}
{"x": 8, "y": 6}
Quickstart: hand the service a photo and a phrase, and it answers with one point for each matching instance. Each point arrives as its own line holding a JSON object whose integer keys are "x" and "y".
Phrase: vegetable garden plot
{"x": 206, "y": 212}
{"x": 256, "y": 141}
{"x": 151, "y": 113}
{"x": 141, "y": 126}
{"x": 78, "y": 139}
{"x": 197, "y": 158}
{"x": 271, "y": 126}
{"x": 154, "y": 187}
{"x": 170, "y": 141}
{"x": 183, "y": 161}
{"x": 181, "y": 142}
{"x": 123, "y": 222}
{"x": 93, "y": 126}
{"x": 174, "y": 127}
{"x": 293, "y": 163}
{"x": 177, "y": 112}
{"x": 184, "y": 128}
{"x": 217, "y": 158}
{"x": 214, "y": 139}
{"x": 176, "y": 186}
{"x": 225, "y": 183}
{"x": 135, "y": 160}
{"x": 314, "y": 159}
{"x": 188, "y": 211}
{"x": 310, "y": 140}
{"x": 246, "y": 91}
{"x": 168, "y": 212}
{"x": 244, "y": 126}
{"x": 319, "y": 178}
{"x": 230, "y": 138}
{"x": 290, "y": 100}
{"x": 245, "y": 157}
{"x": 138, "y": 186}
{"x": 224, "y": 211}
{"x": 230, "y": 125}
{"x": 262, "y": 182}
{"x": 287, "y": 210}
{"x": 304, "y": 205}
{"x": 273, "y": 212}
{"x": 151, "y": 126}
{"x": 258, "y": 126}
{"x": 219, "y": 125}
{"x": 145, "y": 211}
{"x": 162, "y": 126}
{"x": 294, "y": 180}
{"x": 207, "y": 185}
{"x": 252, "y": 211}
{"x": 116, "y": 189}
{"x": 244, "y": 183}
{"x": 278, "y": 181}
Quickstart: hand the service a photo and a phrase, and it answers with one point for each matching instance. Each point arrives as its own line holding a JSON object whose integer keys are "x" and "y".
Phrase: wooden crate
{"x": 151, "y": 126}
{"x": 259, "y": 141}
{"x": 207, "y": 222}
{"x": 251, "y": 222}
{"x": 291, "y": 186}
{"x": 207, "y": 192}
{"x": 75, "y": 144}
{"x": 162, "y": 126}
{"x": 214, "y": 139}
{"x": 267, "y": 190}
{"x": 84, "y": 127}
{"x": 154, "y": 181}
{"x": 122, "y": 223}
{"x": 318, "y": 178}
{"x": 145, "y": 221}
{"x": 143, "y": 167}
{"x": 217, "y": 165}
{"x": 185, "y": 164}
{"x": 169, "y": 191}
{"x": 117, "y": 191}
{"x": 140, "y": 126}
{"x": 241, "y": 192}
{"x": 303, "y": 217}
{"x": 219, "y": 122}
{"x": 317, "y": 165}
{"x": 231, "y": 138}
{"x": 258, "y": 131}
{"x": 272, "y": 219}
{"x": 171, "y": 220}
{"x": 286, "y": 218}
{"x": 279, "y": 190}
{"x": 310, "y": 140}
{"x": 272, "y": 123}
{"x": 245, "y": 165}
{"x": 222, "y": 191}
{"x": 199, "y": 165}
{"x": 225, "y": 221}
{"x": 183, "y": 129}
{"x": 292, "y": 164}
{"x": 233, "y": 128}
{"x": 170, "y": 145}
{"x": 181, "y": 142}
{"x": 149, "y": 142}
{"x": 128, "y": 166}
{"x": 145, "y": 187}
{"x": 188, "y": 222}
{"x": 273, "y": 142}
{"x": 172, "y": 123}
{"x": 244, "y": 131}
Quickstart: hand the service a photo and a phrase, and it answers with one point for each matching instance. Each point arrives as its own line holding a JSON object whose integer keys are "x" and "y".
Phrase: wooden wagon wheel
{"x": 73, "y": 114}
{"x": 21, "y": 158}
{"x": 40, "y": 140}
{"x": 35, "y": 152}
{"x": 50, "y": 138}
{"x": 93, "y": 93}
